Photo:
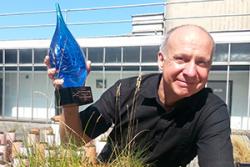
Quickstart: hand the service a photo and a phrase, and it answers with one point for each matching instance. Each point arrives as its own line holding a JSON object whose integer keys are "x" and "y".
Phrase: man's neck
{"x": 166, "y": 99}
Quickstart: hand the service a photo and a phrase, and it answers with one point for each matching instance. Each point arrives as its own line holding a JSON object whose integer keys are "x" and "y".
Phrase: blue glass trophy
{"x": 68, "y": 59}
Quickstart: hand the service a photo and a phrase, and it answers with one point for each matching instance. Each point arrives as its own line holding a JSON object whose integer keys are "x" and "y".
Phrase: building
{"x": 27, "y": 94}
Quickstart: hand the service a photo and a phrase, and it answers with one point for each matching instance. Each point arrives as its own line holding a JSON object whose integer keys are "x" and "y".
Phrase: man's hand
{"x": 70, "y": 123}
{"x": 52, "y": 71}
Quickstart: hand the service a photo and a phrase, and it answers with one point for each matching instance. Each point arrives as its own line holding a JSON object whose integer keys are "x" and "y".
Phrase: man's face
{"x": 186, "y": 64}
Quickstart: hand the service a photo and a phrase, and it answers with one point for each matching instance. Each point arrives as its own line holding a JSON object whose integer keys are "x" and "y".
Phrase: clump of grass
{"x": 72, "y": 156}
{"x": 241, "y": 147}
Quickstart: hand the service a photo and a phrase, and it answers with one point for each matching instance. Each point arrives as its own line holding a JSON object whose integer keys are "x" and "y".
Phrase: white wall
{"x": 240, "y": 86}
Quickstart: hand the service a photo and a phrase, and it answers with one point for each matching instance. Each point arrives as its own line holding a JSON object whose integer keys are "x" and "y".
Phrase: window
{"x": 84, "y": 52}
{"x": 25, "y": 56}
{"x": 240, "y": 52}
{"x": 113, "y": 55}
{"x": 149, "y": 53}
{"x": 39, "y": 55}
{"x": 100, "y": 83}
{"x": 1, "y": 56}
{"x": 1, "y": 91}
{"x": 221, "y": 52}
{"x": 11, "y": 56}
{"x": 131, "y": 54}
{"x": 95, "y": 55}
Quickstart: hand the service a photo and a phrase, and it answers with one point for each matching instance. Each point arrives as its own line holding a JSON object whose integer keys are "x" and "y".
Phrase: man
{"x": 170, "y": 116}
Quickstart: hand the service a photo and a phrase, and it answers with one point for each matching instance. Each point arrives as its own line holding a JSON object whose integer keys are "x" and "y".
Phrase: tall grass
{"x": 72, "y": 155}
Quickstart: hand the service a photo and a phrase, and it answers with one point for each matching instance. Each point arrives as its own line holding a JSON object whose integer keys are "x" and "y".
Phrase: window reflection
{"x": 1, "y": 56}
{"x": 10, "y": 94}
{"x": 113, "y": 55}
{"x": 1, "y": 90}
{"x": 131, "y": 68}
{"x": 240, "y": 52}
{"x": 112, "y": 68}
{"x": 10, "y": 56}
{"x": 131, "y": 54}
{"x": 221, "y": 52}
{"x": 39, "y": 55}
{"x": 149, "y": 53}
{"x": 25, "y": 56}
{"x": 95, "y": 55}
{"x": 84, "y": 52}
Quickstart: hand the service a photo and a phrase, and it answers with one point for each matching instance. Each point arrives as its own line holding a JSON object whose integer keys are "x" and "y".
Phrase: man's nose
{"x": 190, "y": 70}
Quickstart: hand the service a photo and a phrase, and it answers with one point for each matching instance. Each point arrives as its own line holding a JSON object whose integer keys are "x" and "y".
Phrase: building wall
{"x": 213, "y": 15}
{"x": 28, "y": 93}
{"x": 238, "y": 97}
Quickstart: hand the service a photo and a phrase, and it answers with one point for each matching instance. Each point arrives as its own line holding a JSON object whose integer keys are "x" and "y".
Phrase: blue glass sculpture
{"x": 66, "y": 55}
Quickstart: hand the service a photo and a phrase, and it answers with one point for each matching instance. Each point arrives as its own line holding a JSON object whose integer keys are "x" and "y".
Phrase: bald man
{"x": 169, "y": 117}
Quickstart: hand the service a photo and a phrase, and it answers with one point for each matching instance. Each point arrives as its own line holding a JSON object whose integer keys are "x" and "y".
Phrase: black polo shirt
{"x": 196, "y": 125}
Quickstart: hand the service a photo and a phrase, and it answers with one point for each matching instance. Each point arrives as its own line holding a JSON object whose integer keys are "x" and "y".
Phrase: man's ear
{"x": 160, "y": 60}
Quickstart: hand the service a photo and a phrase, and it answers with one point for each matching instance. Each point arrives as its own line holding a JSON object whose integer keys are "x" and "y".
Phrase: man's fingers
{"x": 51, "y": 73}
{"x": 58, "y": 83}
{"x": 46, "y": 61}
{"x": 88, "y": 66}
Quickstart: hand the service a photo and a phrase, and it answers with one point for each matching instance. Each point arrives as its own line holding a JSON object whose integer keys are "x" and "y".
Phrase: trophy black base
{"x": 73, "y": 95}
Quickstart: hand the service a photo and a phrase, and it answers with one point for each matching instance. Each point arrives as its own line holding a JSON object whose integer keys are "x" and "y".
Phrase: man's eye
{"x": 179, "y": 60}
{"x": 202, "y": 63}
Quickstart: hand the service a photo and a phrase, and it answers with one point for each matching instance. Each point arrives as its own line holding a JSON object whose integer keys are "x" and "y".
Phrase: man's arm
{"x": 70, "y": 126}
{"x": 214, "y": 143}
{"x": 81, "y": 126}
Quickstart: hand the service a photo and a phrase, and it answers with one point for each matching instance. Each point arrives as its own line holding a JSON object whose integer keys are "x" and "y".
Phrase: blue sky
{"x": 14, "y": 6}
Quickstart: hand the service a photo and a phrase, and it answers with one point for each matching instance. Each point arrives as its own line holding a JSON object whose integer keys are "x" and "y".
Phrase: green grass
{"x": 73, "y": 156}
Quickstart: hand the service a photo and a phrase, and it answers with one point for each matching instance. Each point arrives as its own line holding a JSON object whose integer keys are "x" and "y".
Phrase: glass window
{"x": 131, "y": 68}
{"x": 113, "y": 55}
{"x": 11, "y": 56}
{"x": 10, "y": 103}
{"x": 239, "y": 78}
{"x": 25, "y": 68}
{"x": 149, "y": 53}
{"x": 96, "y": 68}
{"x": 25, "y": 96}
{"x": 84, "y": 52}
{"x": 219, "y": 68}
{"x": 240, "y": 52}
{"x": 131, "y": 54}
{"x": 11, "y": 69}
{"x": 40, "y": 68}
{"x": 1, "y": 90}
{"x": 112, "y": 68}
{"x": 43, "y": 97}
{"x": 101, "y": 83}
{"x": 150, "y": 68}
{"x": 25, "y": 56}
{"x": 240, "y": 68}
{"x": 221, "y": 52}
{"x": 95, "y": 55}
{"x": 1, "y": 56}
{"x": 39, "y": 55}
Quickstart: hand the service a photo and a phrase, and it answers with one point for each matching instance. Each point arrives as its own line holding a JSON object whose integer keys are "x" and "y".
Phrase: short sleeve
{"x": 98, "y": 117}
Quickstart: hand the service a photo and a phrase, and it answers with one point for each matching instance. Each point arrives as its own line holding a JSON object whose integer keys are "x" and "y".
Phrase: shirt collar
{"x": 150, "y": 84}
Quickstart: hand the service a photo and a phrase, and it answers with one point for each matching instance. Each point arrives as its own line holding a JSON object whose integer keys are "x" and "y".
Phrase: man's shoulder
{"x": 205, "y": 101}
{"x": 212, "y": 97}
{"x": 211, "y": 104}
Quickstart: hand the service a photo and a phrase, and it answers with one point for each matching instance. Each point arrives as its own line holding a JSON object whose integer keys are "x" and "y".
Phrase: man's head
{"x": 185, "y": 59}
